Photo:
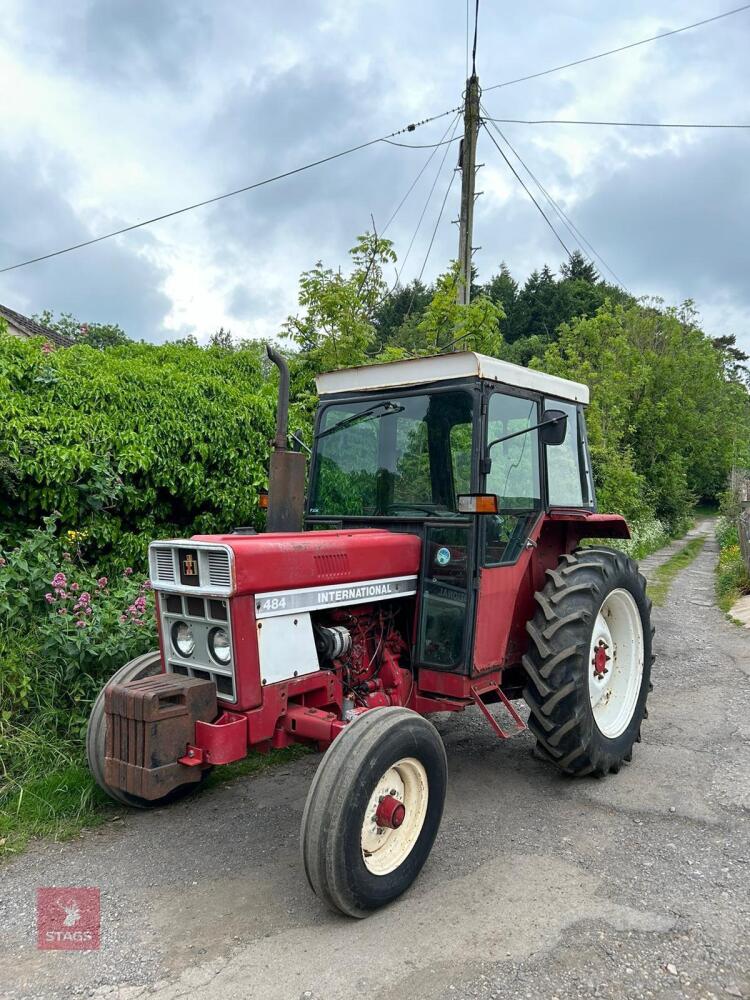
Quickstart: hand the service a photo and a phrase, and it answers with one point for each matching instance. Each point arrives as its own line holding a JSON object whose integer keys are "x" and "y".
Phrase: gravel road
{"x": 637, "y": 885}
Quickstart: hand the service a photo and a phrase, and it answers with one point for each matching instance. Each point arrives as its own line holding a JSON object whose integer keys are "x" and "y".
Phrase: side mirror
{"x": 554, "y": 427}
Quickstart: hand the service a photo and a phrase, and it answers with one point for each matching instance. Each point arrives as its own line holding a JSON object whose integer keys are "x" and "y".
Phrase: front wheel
{"x": 589, "y": 661}
{"x": 373, "y": 810}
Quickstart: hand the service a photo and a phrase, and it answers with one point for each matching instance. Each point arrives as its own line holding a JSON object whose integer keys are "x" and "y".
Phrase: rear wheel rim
{"x": 615, "y": 663}
{"x": 384, "y": 849}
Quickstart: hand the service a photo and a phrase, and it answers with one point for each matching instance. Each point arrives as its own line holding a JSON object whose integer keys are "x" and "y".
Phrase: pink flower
{"x": 2, "y": 561}
{"x": 47, "y": 348}
{"x": 85, "y": 597}
{"x": 88, "y": 611}
{"x": 123, "y": 619}
{"x": 62, "y": 611}
{"x": 80, "y": 624}
{"x": 147, "y": 585}
{"x": 128, "y": 571}
{"x": 74, "y": 586}
{"x": 49, "y": 598}
{"x": 102, "y": 582}
{"x": 59, "y": 580}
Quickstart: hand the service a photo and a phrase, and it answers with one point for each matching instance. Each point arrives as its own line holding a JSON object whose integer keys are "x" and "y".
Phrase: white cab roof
{"x": 464, "y": 364}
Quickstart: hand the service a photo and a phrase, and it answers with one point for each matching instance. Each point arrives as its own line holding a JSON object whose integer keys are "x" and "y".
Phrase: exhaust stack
{"x": 286, "y": 478}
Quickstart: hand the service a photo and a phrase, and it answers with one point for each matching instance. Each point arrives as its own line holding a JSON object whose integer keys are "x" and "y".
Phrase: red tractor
{"x": 435, "y": 564}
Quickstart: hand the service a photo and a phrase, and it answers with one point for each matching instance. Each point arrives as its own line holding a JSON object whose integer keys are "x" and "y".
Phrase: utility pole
{"x": 468, "y": 168}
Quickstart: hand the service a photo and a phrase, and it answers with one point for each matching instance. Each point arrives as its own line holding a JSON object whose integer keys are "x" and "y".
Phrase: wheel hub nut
{"x": 601, "y": 659}
{"x": 390, "y": 812}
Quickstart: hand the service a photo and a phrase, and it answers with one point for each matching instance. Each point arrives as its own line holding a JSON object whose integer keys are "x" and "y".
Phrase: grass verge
{"x": 663, "y": 576}
{"x": 63, "y": 803}
{"x": 732, "y": 577}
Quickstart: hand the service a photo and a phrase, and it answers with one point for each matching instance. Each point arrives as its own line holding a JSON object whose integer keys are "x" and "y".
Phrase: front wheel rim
{"x": 385, "y": 848}
{"x": 615, "y": 663}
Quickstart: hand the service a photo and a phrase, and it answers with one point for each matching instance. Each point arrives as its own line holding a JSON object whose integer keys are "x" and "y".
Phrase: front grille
{"x": 164, "y": 565}
{"x": 192, "y": 567}
{"x": 219, "y": 573}
{"x": 204, "y": 615}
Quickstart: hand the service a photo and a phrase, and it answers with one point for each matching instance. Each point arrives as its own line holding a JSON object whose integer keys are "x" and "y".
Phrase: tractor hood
{"x": 289, "y": 560}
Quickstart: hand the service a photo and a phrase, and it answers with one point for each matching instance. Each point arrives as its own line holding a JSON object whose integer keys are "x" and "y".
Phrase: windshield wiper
{"x": 386, "y": 405}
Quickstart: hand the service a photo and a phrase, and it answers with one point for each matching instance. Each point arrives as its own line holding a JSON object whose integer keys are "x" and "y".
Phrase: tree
{"x": 97, "y": 335}
{"x": 222, "y": 339}
{"x": 664, "y": 420}
{"x": 336, "y": 327}
{"x": 578, "y": 267}
{"x": 474, "y": 327}
{"x": 733, "y": 359}
{"x": 401, "y": 305}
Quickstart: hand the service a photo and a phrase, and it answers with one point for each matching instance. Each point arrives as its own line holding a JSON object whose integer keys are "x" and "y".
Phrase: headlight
{"x": 183, "y": 639}
{"x": 219, "y": 647}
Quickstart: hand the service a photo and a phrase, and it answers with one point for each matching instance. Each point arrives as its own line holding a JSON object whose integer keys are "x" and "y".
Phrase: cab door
{"x": 507, "y": 539}
{"x": 447, "y": 596}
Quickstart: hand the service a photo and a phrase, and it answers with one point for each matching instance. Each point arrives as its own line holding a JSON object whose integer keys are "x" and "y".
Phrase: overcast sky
{"x": 117, "y": 110}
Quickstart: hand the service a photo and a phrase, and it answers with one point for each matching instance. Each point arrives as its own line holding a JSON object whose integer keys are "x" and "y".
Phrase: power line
{"x": 429, "y": 248}
{"x": 437, "y": 223}
{"x": 569, "y": 121}
{"x": 424, "y": 209}
{"x": 467, "y": 38}
{"x": 523, "y": 185}
{"x": 474, "y": 47}
{"x": 574, "y": 231}
{"x": 621, "y": 48}
{"x": 414, "y": 183}
{"x": 230, "y": 194}
{"x": 421, "y": 145}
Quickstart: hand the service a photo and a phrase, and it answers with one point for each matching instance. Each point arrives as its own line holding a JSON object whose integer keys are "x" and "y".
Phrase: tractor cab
{"x": 465, "y": 451}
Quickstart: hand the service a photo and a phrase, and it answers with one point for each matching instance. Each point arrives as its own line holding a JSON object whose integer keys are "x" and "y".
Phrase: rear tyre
{"x": 147, "y": 665}
{"x": 373, "y": 810}
{"x": 588, "y": 665}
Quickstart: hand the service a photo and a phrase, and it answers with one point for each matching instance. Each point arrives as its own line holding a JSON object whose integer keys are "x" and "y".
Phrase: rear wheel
{"x": 147, "y": 665}
{"x": 589, "y": 661}
{"x": 373, "y": 810}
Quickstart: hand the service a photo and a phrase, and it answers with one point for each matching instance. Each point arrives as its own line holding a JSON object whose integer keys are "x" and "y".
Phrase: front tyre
{"x": 373, "y": 810}
{"x": 589, "y": 662}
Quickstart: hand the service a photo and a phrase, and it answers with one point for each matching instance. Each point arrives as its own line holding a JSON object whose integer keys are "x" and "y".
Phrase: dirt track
{"x": 538, "y": 886}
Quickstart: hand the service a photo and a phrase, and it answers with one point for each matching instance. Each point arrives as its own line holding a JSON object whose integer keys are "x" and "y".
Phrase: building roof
{"x": 33, "y": 329}
{"x": 463, "y": 364}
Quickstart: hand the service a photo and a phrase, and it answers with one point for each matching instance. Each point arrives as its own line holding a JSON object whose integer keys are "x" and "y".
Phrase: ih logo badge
{"x": 189, "y": 567}
{"x": 67, "y": 919}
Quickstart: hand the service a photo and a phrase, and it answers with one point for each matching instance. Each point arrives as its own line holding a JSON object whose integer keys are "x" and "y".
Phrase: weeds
{"x": 663, "y": 576}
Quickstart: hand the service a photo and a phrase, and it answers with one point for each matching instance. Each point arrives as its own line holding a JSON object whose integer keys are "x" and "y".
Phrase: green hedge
{"x": 133, "y": 443}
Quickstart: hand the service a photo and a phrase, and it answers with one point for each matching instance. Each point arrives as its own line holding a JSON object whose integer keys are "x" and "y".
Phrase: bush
{"x": 132, "y": 443}
{"x": 64, "y": 629}
{"x": 732, "y": 576}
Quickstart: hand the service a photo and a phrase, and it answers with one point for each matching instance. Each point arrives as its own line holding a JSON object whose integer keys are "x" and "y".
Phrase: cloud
{"x": 121, "y": 111}
{"x": 113, "y": 282}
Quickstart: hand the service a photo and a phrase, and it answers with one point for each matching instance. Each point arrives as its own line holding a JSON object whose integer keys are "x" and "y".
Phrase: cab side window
{"x": 568, "y": 473}
{"x": 514, "y": 477}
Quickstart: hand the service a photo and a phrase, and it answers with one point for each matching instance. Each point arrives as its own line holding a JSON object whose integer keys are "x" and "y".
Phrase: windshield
{"x": 403, "y": 457}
